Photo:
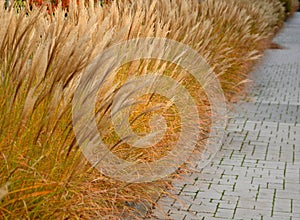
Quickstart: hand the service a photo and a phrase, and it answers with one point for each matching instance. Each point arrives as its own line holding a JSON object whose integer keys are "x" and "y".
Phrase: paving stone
{"x": 227, "y": 205}
{"x": 265, "y": 193}
{"x": 242, "y": 213}
{"x": 246, "y": 204}
{"x": 224, "y": 213}
{"x": 296, "y": 206}
{"x": 286, "y": 215}
{"x": 264, "y": 205}
{"x": 283, "y": 205}
{"x": 204, "y": 208}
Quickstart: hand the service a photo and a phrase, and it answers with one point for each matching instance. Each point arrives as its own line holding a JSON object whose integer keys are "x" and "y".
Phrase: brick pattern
{"x": 256, "y": 174}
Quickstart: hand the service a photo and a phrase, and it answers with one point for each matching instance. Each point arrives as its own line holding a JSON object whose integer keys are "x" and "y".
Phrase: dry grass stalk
{"x": 41, "y": 60}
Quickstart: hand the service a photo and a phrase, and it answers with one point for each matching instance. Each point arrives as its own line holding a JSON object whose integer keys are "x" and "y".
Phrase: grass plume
{"x": 42, "y": 57}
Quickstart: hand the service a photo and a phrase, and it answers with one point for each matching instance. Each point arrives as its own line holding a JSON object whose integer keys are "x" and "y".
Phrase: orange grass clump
{"x": 43, "y": 173}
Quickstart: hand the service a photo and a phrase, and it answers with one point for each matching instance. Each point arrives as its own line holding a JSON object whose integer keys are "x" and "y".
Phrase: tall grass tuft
{"x": 42, "y": 57}
{"x": 290, "y": 6}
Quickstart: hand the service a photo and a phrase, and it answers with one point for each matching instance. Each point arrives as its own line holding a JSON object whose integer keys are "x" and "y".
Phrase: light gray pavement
{"x": 256, "y": 174}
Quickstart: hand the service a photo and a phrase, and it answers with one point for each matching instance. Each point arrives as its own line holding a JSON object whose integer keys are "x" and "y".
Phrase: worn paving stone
{"x": 256, "y": 173}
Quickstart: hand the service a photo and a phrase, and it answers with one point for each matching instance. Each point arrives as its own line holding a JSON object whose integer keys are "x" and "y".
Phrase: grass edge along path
{"x": 43, "y": 172}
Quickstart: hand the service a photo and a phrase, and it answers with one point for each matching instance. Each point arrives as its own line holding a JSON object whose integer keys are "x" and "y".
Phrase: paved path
{"x": 256, "y": 174}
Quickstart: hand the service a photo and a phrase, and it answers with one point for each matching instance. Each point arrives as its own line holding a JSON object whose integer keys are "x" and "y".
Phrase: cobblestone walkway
{"x": 256, "y": 174}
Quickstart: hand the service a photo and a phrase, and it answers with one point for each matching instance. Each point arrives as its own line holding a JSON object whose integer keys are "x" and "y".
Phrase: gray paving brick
{"x": 246, "y": 204}
{"x": 242, "y": 213}
{"x": 204, "y": 208}
{"x": 227, "y": 205}
{"x": 224, "y": 213}
{"x": 283, "y": 205}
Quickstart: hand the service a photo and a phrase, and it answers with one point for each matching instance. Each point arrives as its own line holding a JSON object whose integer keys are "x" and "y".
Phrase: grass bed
{"x": 42, "y": 56}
